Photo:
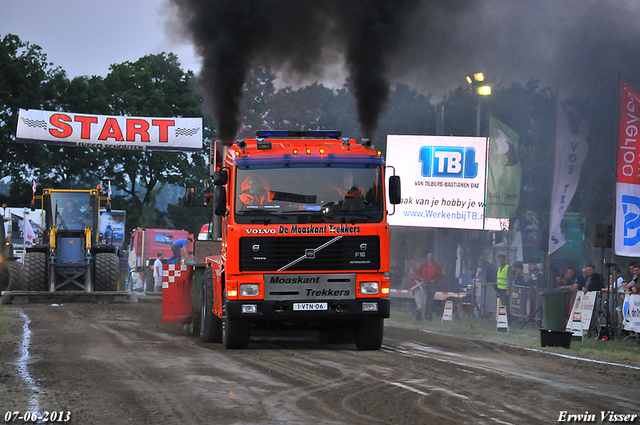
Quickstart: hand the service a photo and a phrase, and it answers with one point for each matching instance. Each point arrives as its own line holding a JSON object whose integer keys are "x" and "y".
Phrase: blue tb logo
{"x": 631, "y": 211}
{"x": 444, "y": 161}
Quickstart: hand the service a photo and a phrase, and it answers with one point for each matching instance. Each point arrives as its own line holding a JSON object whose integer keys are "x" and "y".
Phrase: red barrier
{"x": 176, "y": 293}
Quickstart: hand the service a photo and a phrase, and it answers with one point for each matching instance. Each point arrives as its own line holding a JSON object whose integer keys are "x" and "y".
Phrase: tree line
{"x": 156, "y": 85}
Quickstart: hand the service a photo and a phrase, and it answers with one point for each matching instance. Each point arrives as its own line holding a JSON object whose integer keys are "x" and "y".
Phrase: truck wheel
{"x": 210, "y": 324}
{"x": 235, "y": 333}
{"x": 35, "y": 271}
{"x": 149, "y": 282}
{"x": 16, "y": 276}
{"x": 369, "y": 334}
{"x": 106, "y": 272}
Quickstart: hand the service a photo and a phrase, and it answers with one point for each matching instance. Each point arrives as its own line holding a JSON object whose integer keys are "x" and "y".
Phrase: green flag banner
{"x": 505, "y": 172}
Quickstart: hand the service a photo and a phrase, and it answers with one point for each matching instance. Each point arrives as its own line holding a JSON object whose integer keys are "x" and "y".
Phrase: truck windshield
{"x": 320, "y": 194}
{"x": 71, "y": 211}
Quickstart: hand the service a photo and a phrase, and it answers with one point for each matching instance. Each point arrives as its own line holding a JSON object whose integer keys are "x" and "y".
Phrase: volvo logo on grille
{"x": 255, "y": 248}
{"x": 363, "y": 247}
{"x": 310, "y": 254}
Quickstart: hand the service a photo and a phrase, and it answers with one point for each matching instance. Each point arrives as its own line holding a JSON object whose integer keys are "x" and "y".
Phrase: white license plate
{"x": 309, "y": 306}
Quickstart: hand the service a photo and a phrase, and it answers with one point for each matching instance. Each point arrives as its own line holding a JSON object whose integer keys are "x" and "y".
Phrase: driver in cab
{"x": 346, "y": 188}
{"x": 253, "y": 192}
{"x": 72, "y": 215}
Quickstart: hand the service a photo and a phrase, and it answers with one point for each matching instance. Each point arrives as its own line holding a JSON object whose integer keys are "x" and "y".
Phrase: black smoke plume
{"x": 296, "y": 36}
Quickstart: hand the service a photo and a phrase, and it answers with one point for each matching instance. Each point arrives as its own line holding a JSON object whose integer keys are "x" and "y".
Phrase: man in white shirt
{"x": 157, "y": 273}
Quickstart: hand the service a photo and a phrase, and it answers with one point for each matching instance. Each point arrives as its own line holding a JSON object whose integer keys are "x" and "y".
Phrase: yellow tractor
{"x": 71, "y": 254}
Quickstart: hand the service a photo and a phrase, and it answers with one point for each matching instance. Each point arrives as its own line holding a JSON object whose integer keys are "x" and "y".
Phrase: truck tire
{"x": 16, "y": 276}
{"x": 369, "y": 333}
{"x": 35, "y": 271}
{"x": 235, "y": 333}
{"x": 210, "y": 324}
{"x": 149, "y": 282}
{"x": 106, "y": 274}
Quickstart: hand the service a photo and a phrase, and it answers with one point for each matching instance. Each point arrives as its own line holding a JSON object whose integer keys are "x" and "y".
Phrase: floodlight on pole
{"x": 484, "y": 90}
{"x": 481, "y": 90}
{"x": 478, "y": 77}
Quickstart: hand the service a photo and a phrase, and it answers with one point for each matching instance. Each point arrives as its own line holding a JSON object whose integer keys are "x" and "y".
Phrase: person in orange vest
{"x": 255, "y": 194}
{"x": 429, "y": 273}
{"x": 347, "y": 189}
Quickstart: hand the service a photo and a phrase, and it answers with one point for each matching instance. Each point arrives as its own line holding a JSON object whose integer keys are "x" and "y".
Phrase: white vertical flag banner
{"x": 29, "y": 235}
{"x": 571, "y": 151}
{"x": 627, "y": 235}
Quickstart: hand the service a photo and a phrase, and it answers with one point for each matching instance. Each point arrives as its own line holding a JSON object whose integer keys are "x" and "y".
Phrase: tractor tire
{"x": 4, "y": 276}
{"x": 369, "y": 334}
{"x": 106, "y": 272}
{"x": 235, "y": 333}
{"x": 35, "y": 271}
{"x": 210, "y": 324}
{"x": 16, "y": 276}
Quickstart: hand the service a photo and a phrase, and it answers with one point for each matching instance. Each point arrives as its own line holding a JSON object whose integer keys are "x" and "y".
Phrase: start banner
{"x": 109, "y": 132}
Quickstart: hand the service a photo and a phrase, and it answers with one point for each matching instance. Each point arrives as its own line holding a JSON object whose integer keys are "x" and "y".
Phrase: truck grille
{"x": 266, "y": 254}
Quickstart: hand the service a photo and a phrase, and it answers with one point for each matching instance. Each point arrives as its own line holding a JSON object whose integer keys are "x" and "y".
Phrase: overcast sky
{"x": 85, "y": 37}
{"x": 567, "y": 44}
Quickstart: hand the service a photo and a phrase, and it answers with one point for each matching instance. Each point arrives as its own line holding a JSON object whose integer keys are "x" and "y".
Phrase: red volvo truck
{"x": 305, "y": 239}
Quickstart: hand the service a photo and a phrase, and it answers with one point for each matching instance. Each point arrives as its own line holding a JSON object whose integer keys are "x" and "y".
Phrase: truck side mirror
{"x": 220, "y": 207}
{"x": 189, "y": 197}
{"x": 394, "y": 190}
{"x": 220, "y": 177}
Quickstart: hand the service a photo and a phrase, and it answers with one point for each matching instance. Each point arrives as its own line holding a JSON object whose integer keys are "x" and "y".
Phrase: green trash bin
{"x": 555, "y": 309}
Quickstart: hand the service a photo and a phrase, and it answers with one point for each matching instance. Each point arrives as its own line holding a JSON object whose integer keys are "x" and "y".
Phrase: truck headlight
{"x": 249, "y": 290}
{"x": 369, "y": 288}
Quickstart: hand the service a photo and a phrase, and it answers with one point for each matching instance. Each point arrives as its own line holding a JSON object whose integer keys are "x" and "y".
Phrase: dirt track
{"x": 117, "y": 363}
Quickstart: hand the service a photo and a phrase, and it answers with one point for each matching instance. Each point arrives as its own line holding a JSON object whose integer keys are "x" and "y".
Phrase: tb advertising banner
{"x": 627, "y": 233}
{"x": 109, "y": 132}
{"x": 443, "y": 182}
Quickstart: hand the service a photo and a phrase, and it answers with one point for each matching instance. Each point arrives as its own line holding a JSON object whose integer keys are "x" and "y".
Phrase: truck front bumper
{"x": 283, "y": 311}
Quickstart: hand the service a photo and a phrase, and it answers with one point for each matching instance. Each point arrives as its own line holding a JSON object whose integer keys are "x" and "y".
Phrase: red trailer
{"x": 145, "y": 244}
